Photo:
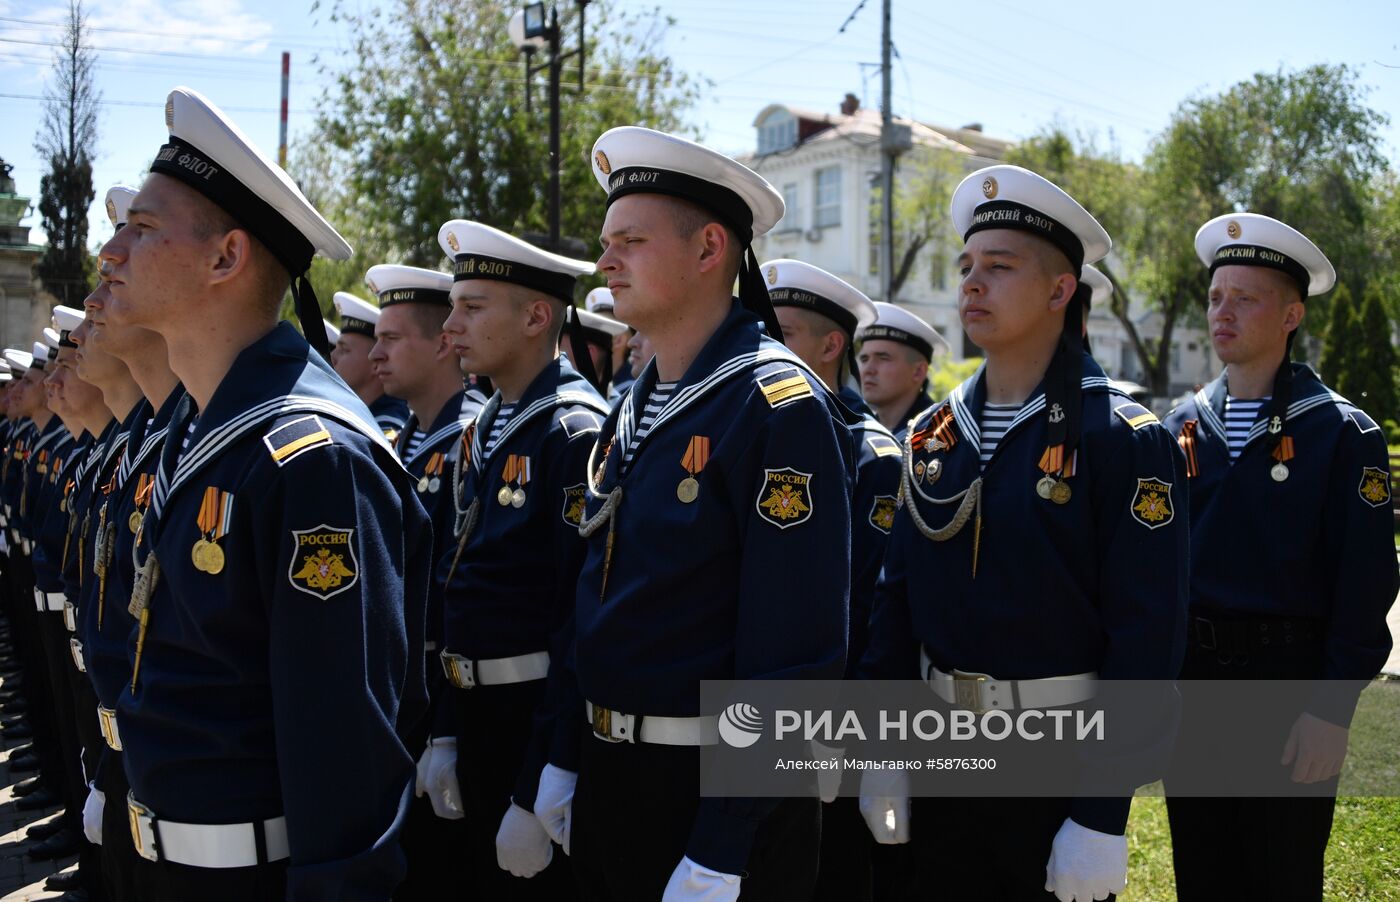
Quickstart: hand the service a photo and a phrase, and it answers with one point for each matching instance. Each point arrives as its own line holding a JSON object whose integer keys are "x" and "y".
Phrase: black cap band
{"x": 391, "y": 296}
{"x": 890, "y": 333}
{"x": 807, "y": 300}
{"x": 357, "y": 326}
{"x": 65, "y": 341}
{"x": 1254, "y": 255}
{"x": 723, "y": 202}
{"x": 1006, "y": 214}
{"x": 479, "y": 266}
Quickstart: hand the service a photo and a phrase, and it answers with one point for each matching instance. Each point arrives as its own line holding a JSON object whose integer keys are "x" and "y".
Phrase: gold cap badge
{"x": 111, "y": 211}
{"x": 603, "y": 163}
{"x": 452, "y": 242}
{"x": 1232, "y": 229}
{"x": 989, "y": 187}
{"x": 772, "y": 275}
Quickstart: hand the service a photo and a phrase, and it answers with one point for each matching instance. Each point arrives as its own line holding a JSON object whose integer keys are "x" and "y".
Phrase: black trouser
{"x": 120, "y": 863}
{"x": 83, "y": 700}
{"x": 494, "y": 730}
{"x": 58, "y": 659}
{"x": 634, "y": 807}
{"x": 984, "y": 849}
{"x": 1249, "y": 848}
{"x": 855, "y": 868}
{"x": 35, "y": 687}
{"x": 168, "y": 882}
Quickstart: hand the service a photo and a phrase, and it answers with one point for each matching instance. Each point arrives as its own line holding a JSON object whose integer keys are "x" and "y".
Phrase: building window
{"x": 792, "y": 209}
{"x": 828, "y": 211}
{"x": 778, "y": 132}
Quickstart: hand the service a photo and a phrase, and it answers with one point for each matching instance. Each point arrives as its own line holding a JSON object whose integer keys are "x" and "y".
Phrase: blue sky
{"x": 1016, "y": 66}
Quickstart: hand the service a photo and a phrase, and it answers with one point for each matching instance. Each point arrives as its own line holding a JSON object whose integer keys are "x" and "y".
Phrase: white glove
{"x": 1085, "y": 864}
{"x": 884, "y": 803}
{"x": 92, "y": 815}
{"x": 691, "y": 882}
{"x": 522, "y": 845}
{"x": 554, "y": 803}
{"x": 440, "y": 779}
{"x": 828, "y": 781}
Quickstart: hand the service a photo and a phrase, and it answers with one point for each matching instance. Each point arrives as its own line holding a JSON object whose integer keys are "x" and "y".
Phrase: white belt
{"x": 76, "y": 648}
{"x": 465, "y": 673}
{"x": 107, "y": 723}
{"x": 49, "y": 601}
{"x": 614, "y": 726}
{"x": 204, "y": 845}
{"x": 980, "y": 692}
{"x": 70, "y": 616}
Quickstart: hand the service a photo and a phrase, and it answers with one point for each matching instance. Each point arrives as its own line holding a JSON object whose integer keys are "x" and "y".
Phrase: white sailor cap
{"x": 118, "y": 203}
{"x": 66, "y": 319}
{"x": 635, "y": 160}
{"x": 1251, "y": 239}
{"x": 792, "y": 283}
{"x": 4, "y": 365}
{"x": 356, "y": 314}
{"x": 6, "y": 376}
{"x": 478, "y": 251}
{"x": 897, "y": 324}
{"x": 1009, "y": 197}
{"x": 396, "y": 284}
{"x": 600, "y": 300}
{"x": 598, "y": 328}
{"x": 18, "y": 360}
{"x": 41, "y": 357}
{"x": 332, "y": 333}
{"x": 52, "y": 342}
{"x": 1100, "y": 289}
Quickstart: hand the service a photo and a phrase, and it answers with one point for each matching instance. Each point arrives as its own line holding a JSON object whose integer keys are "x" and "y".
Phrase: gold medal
{"x": 1045, "y": 486}
{"x": 1060, "y": 492}
{"x": 517, "y": 498}
{"x": 422, "y": 485}
{"x": 434, "y": 484}
{"x": 197, "y": 554}
{"x": 1279, "y": 471}
{"x": 503, "y": 497}
{"x": 688, "y": 490}
{"x": 63, "y": 505}
{"x": 213, "y": 558}
{"x": 134, "y": 522}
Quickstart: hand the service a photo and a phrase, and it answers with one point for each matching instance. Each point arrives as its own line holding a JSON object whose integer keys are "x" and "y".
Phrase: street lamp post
{"x": 530, "y": 30}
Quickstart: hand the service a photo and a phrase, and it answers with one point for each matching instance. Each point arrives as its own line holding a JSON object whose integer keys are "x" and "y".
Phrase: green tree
{"x": 947, "y": 374}
{"x": 66, "y": 140}
{"x": 428, "y": 123}
{"x": 1340, "y": 343}
{"x": 923, "y": 188}
{"x": 1372, "y": 383}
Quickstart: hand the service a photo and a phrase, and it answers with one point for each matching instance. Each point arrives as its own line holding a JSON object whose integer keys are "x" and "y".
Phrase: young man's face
{"x": 404, "y": 355}
{"x": 649, "y": 267}
{"x": 1007, "y": 288}
{"x": 105, "y": 336}
{"x": 641, "y": 351}
{"x": 350, "y": 358}
{"x": 805, "y": 333}
{"x": 487, "y": 325}
{"x": 92, "y": 364}
{"x": 158, "y": 258}
{"x": 77, "y": 397}
{"x": 1251, "y": 311}
{"x": 889, "y": 371}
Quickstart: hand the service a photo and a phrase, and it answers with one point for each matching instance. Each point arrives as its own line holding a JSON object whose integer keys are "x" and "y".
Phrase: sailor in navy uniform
{"x": 1041, "y": 545}
{"x": 283, "y": 557}
{"x": 820, "y": 316}
{"x": 730, "y": 461}
{"x": 350, "y": 357}
{"x": 600, "y": 301}
{"x": 598, "y": 336}
{"x": 511, "y": 563}
{"x": 413, "y": 359}
{"x": 895, "y": 353}
{"x": 1292, "y": 563}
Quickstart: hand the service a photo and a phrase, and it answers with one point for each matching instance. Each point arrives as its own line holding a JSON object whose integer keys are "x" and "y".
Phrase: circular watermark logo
{"x": 740, "y": 725}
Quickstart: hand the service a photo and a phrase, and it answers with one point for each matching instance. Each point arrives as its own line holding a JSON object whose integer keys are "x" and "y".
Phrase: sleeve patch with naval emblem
{"x": 289, "y": 440}
{"x": 882, "y": 512}
{"x": 1375, "y": 486}
{"x": 784, "y": 386}
{"x": 323, "y": 561}
{"x": 579, "y": 422}
{"x": 785, "y": 497}
{"x": 1152, "y": 503}
{"x": 883, "y": 446}
{"x": 1136, "y": 416}
{"x": 572, "y": 511}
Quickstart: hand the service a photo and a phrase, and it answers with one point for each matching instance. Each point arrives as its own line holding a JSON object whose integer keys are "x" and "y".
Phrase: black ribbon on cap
{"x": 65, "y": 340}
{"x": 902, "y": 336}
{"x": 1267, "y": 257}
{"x": 433, "y": 296}
{"x": 1063, "y": 380}
{"x": 359, "y": 326}
{"x": 1008, "y": 214}
{"x": 579, "y": 342}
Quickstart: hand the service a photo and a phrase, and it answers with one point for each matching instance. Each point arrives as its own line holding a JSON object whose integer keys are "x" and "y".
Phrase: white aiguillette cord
{"x": 970, "y": 498}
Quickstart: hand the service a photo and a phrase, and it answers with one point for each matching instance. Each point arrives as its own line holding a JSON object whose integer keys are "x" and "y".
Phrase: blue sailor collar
{"x": 140, "y": 446}
{"x": 557, "y": 385}
{"x": 46, "y": 436}
{"x": 282, "y": 377}
{"x": 1308, "y": 393}
{"x": 968, "y": 399}
{"x": 459, "y": 410}
{"x": 855, "y": 403}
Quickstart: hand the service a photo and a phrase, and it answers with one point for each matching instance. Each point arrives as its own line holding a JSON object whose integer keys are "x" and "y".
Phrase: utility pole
{"x": 282, "y": 132}
{"x": 887, "y": 155}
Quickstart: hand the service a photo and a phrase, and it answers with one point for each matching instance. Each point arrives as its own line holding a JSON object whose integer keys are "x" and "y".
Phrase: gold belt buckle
{"x": 458, "y": 670}
{"x": 107, "y": 720}
{"x": 143, "y": 831}
{"x": 602, "y": 722}
{"x": 968, "y": 691}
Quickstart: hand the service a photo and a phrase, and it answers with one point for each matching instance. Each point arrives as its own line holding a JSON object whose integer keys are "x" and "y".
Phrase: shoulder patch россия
{"x": 323, "y": 561}
{"x": 1152, "y": 503}
{"x": 785, "y": 498}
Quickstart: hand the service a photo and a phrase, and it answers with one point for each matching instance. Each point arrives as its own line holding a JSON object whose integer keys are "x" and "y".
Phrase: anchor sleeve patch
{"x": 1375, "y": 486}
{"x": 785, "y": 497}
{"x": 1152, "y": 503}
{"x": 290, "y": 440}
{"x": 572, "y": 511}
{"x": 323, "y": 561}
{"x": 882, "y": 512}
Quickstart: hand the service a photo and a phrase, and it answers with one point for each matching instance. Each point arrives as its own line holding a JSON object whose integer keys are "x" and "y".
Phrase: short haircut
{"x": 428, "y": 318}
{"x": 690, "y": 217}
{"x": 270, "y": 278}
{"x": 520, "y": 295}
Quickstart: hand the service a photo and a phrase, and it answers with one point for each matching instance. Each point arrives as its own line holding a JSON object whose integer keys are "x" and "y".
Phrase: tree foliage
{"x": 1372, "y": 366}
{"x": 428, "y": 123}
{"x": 66, "y": 140}
{"x": 922, "y": 229}
{"x": 1340, "y": 342}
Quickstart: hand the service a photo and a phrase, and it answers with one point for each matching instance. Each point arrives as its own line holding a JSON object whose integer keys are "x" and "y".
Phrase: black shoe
{"x": 15, "y": 707}
{"x": 24, "y": 764}
{"x": 64, "y": 881}
{"x": 25, "y": 788}
{"x": 41, "y": 832}
{"x": 62, "y": 844}
{"x": 77, "y": 895}
{"x": 11, "y": 720}
{"x": 39, "y": 798}
{"x": 19, "y": 731}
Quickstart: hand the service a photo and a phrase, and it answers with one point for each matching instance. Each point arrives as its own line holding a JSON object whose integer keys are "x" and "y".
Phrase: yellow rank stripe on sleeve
{"x": 291, "y": 439}
{"x": 287, "y": 451}
{"x": 884, "y": 447}
{"x": 1136, "y": 416}
{"x": 787, "y": 390}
